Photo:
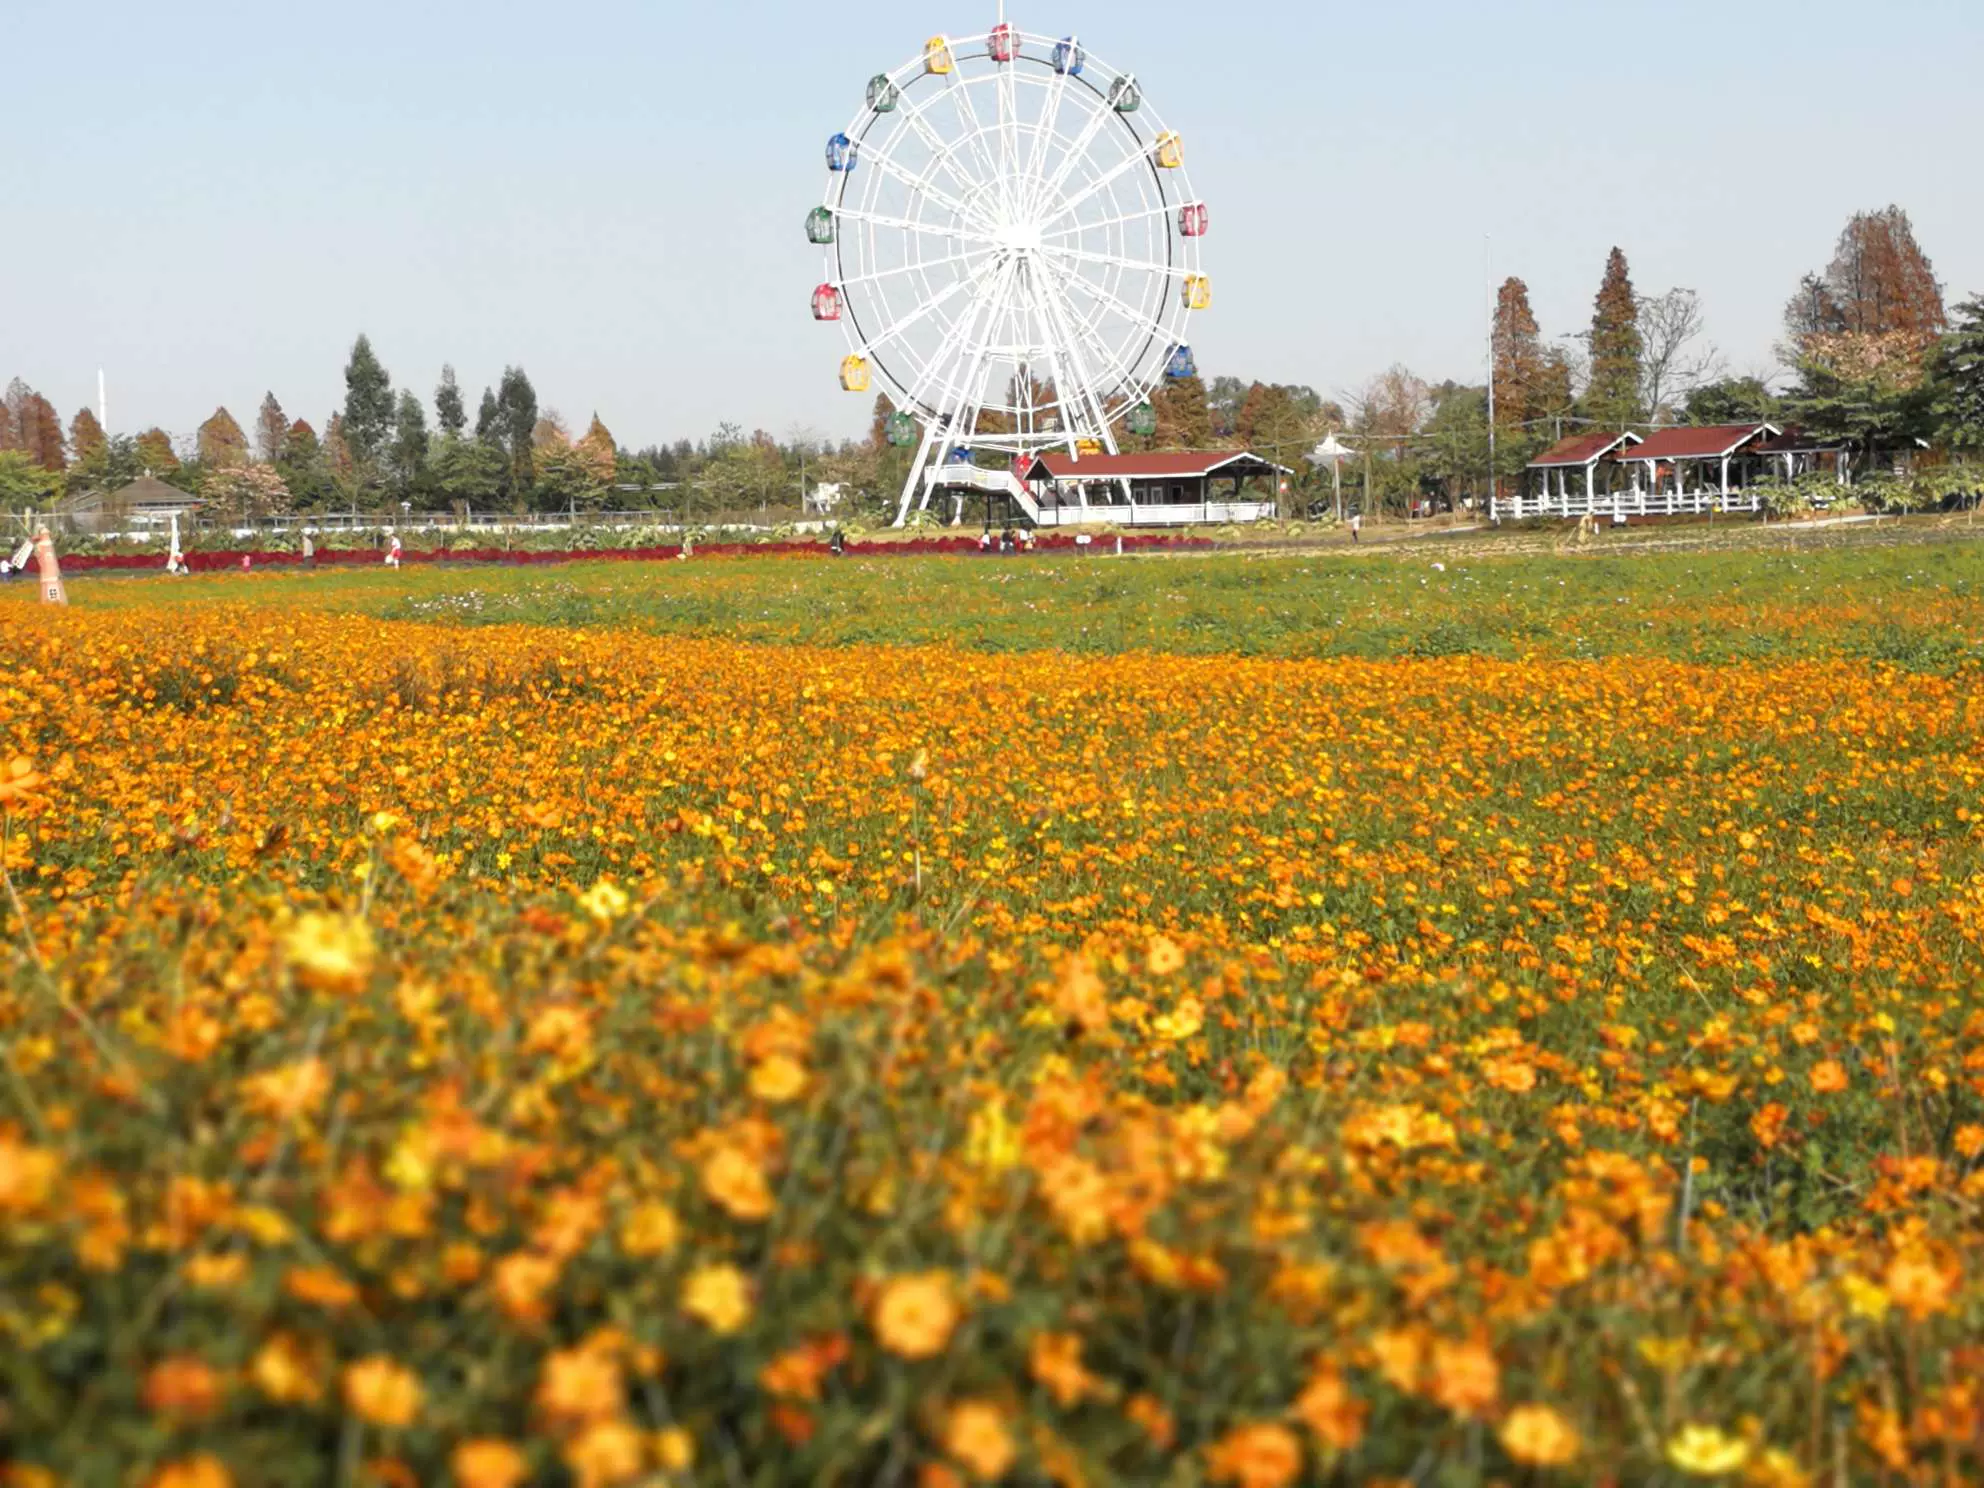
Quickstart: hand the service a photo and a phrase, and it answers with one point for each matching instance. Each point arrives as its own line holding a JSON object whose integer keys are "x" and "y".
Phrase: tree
{"x": 1532, "y": 382}
{"x": 488, "y": 416}
{"x": 449, "y": 415}
{"x": 303, "y": 467}
{"x": 1959, "y": 378}
{"x": 368, "y": 406}
{"x": 1868, "y": 390}
{"x": 468, "y": 472}
{"x": 222, "y": 444}
{"x": 515, "y": 424}
{"x": 549, "y": 433}
{"x": 339, "y": 464}
{"x": 406, "y": 456}
{"x": 32, "y": 426}
{"x": 1674, "y": 359}
{"x": 1879, "y": 281}
{"x": 155, "y": 449}
{"x": 271, "y": 430}
{"x": 86, "y": 441}
{"x": 1454, "y": 440}
{"x": 248, "y": 492}
{"x": 1392, "y": 405}
{"x": 1616, "y": 372}
{"x": 595, "y": 452}
{"x": 1184, "y": 421}
{"x": 24, "y": 482}
{"x": 1734, "y": 400}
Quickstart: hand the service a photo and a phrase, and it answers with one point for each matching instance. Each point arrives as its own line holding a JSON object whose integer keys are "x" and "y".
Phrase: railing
{"x": 1621, "y": 503}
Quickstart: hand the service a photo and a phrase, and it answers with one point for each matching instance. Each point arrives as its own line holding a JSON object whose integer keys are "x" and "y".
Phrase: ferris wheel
{"x": 1012, "y": 251}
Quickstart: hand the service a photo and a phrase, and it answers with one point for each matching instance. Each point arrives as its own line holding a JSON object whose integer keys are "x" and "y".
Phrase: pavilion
{"x": 1575, "y": 477}
{"x": 1714, "y": 467}
{"x": 1178, "y": 488}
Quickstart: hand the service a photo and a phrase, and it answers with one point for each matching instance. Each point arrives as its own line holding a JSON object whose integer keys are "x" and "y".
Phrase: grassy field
{"x": 1243, "y": 1019}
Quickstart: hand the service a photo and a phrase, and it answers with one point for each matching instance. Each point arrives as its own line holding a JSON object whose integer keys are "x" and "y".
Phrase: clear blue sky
{"x": 210, "y": 199}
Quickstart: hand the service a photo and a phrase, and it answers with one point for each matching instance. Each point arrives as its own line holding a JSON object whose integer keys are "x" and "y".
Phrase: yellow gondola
{"x": 1196, "y": 292}
{"x": 1169, "y": 150}
{"x": 937, "y": 55}
{"x": 854, "y": 374}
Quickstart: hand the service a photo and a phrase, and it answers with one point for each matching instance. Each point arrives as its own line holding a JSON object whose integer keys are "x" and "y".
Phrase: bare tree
{"x": 1393, "y": 403}
{"x": 1675, "y": 359}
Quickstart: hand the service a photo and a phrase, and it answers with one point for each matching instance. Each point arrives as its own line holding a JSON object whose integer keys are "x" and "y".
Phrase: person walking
{"x": 1356, "y": 522}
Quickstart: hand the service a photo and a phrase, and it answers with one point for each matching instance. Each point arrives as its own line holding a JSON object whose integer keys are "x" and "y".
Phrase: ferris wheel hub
{"x": 1018, "y": 237}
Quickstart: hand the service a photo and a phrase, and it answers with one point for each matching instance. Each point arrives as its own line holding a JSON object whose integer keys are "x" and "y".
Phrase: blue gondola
{"x": 840, "y": 153}
{"x": 1181, "y": 365}
{"x": 1069, "y": 57}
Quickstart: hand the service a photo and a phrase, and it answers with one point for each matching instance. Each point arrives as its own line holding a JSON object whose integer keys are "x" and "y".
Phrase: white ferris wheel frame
{"x": 1013, "y": 272}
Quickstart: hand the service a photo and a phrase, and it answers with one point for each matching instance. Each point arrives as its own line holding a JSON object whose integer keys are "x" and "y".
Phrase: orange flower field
{"x": 505, "y": 1055}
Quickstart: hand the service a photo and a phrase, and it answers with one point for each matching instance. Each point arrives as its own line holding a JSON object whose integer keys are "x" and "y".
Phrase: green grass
{"x": 1917, "y": 606}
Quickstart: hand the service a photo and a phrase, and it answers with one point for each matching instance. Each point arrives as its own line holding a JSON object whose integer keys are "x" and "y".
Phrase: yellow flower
{"x": 330, "y": 951}
{"x": 650, "y": 1230}
{"x": 777, "y": 1079}
{"x": 605, "y": 901}
{"x": 674, "y": 1449}
{"x": 975, "y": 1434}
{"x": 1181, "y": 1023}
{"x": 1706, "y": 1451}
{"x": 718, "y": 1297}
{"x": 1537, "y": 1436}
{"x": 915, "y": 1315}
{"x": 381, "y": 1392}
{"x": 1162, "y": 956}
{"x": 737, "y": 1184}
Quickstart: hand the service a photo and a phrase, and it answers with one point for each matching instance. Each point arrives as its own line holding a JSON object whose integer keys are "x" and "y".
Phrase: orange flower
{"x": 381, "y": 1392}
{"x": 580, "y": 1384}
{"x": 20, "y": 783}
{"x": 1537, "y": 1436}
{"x": 1148, "y": 1413}
{"x": 487, "y": 1463}
{"x": 1917, "y": 1286}
{"x": 975, "y": 1434}
{"x": 604, "y": 1453}
{"x": 650, "y": 1229}
{"x": 202, "y": 1471}
{"x": 1828, "y": 1076}
{"x": 737, "y": 1184}
{"x": 777, "y": 1079}
{"x": 286, "y": 1371}
{"x": 1259, "y": 1455}
{"x": 1466, "y": 1379}
{"x": 1329, "y": 1409}
{"x": 914, "y": 1315}
{"x": 1055, "y": 1362}
{"x": 184, "y": 1388}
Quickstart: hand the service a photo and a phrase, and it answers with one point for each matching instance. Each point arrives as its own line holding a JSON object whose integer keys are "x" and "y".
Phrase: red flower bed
{"x": 215, "y": 562}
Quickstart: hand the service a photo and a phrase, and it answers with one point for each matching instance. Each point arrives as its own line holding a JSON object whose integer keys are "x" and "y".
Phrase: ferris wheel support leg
{"x": 917, "y": 469}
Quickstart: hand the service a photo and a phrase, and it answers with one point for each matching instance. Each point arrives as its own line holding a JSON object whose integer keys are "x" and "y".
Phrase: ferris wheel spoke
{"x": 1047, "y": 129}
{"x": 917, "y": 316}
{"x": 975, "y": 131}
{"x": 1091, "y": 386}
{"x": 972, "y": 382}
{"x": 1068, "y": 204}
{"x": 1101, "y": 224}
{"x": 1116, "y": 260}
{"x": 1141, "y": 319}
{"x": 941, "y": 151}
{"x": 950, "y": 233}
{"x": 926, "y": 188}
{"x": 916, "y": 266}
{"x": 1077, "y": 150}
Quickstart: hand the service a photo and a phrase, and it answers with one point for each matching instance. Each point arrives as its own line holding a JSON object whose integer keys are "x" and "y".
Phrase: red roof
{"x": 1191, "y": 464}
{"x": 1581, "y": 449}
{"x": 1709, "y": 442}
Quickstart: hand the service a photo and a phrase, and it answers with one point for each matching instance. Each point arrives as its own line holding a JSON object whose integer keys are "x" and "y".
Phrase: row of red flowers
{"x": 208, "y": 561}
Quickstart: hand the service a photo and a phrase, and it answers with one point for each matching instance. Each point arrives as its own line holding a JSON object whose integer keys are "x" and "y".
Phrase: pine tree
{"x": 271, "y": 430}
{"x": 222, "y": 444}
{"x": 449, "y": 415}
{"x": 86, "y": 440}
{"x": 368, "y": 405}
{"x": 1614, "y": 394}
{"x": 34, "y": 428}
{"x": 302, "y": 466}
{"x": 487, "y": 417}
{"x": 597, "y": 455}
{"x": 339, "y": 463}
{"x": 1959, "y": 380}
{"x": 1184, "y": 421}
{"x": 1518, "y": 359}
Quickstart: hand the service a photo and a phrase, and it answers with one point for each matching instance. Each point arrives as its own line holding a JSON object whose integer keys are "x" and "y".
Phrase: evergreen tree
{"x": 407, "y": 454}
{"x": 1734, "y": 400}
{"x": 515, "y": 426}
{"x": 32, "y": 426}
{"x": 487, "y": 416}
{"x": 271, "y": 430}
{"x": 1518, "y": 356}
{"x": 1184, "y": 421}
{"x": 1959, "y": 384}
{"x": 1614, "y": 394}
{"x": 449, "y": 415}
{"x": 302, "y": 467}
{"x": 468, "y": 472}
{"x": 596, "y": 454}
{"x": 368, "y": 406}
